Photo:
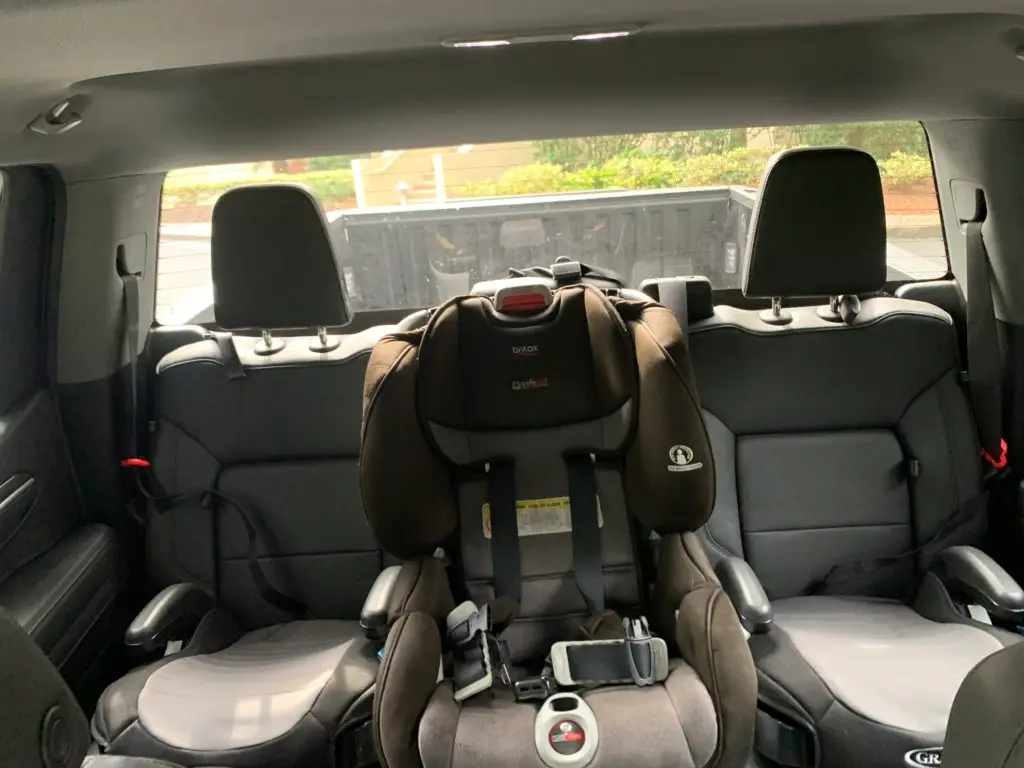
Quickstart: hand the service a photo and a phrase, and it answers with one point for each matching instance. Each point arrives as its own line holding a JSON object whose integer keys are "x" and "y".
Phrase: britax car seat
{"x": 538, "y": 438}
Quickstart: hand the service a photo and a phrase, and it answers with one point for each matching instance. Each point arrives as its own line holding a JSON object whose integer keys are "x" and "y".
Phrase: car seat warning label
{"x": 537, "y": 517}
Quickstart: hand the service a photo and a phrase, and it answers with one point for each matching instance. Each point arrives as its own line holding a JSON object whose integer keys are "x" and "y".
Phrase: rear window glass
{"x": 415, "y": 227}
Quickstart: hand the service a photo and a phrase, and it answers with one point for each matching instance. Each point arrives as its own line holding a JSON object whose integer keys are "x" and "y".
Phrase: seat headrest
{"x": 272, "y": 261}
{"x": 690, "y": 298}
{"x": 818, "y": 227}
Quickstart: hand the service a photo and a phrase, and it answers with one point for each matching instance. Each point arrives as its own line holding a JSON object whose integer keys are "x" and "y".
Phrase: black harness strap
{"x": 586, "y": 531}
{"x": 971, "y": 509}
{"x": 501, "y": 497}
{"x": 162, "y": 502}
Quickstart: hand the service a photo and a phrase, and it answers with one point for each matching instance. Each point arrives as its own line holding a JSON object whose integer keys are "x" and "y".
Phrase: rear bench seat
{"x": 273, "y": 428}
{"x": 838, "y": 437}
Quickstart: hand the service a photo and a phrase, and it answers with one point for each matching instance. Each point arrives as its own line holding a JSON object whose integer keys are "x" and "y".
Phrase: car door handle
{"x": 18, "y": 495}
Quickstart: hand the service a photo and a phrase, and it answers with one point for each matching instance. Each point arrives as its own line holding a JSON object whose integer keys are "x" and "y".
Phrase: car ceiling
{"x": 170, "y": 83}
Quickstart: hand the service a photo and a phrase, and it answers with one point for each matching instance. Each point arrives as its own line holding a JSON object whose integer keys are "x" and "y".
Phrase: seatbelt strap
{"x": 163, "y": 501}
{"x": 501, "y": 499}
{"x": 984, "y": 358}
{"x": 586, "y": 530}
{"x": 130, "y": 275}
{"x": 229, "y": 355}
{"x": 973, "y": 508}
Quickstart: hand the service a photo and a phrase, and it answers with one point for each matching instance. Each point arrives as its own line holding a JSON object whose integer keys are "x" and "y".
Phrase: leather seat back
{"x": 278, "y": 432}
{"x": 836, "y": 438}
{"x": 481, "y": 387}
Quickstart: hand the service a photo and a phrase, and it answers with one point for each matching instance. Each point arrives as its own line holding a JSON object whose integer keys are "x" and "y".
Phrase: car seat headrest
{"x": 818, "y": 227}
{"x": 483, "y": 370}
{"x": 272, "y": 261}
{"x": 586, "y": 374}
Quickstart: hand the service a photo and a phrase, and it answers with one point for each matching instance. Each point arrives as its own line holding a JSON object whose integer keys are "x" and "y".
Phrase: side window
{"x": 415, "y": 227}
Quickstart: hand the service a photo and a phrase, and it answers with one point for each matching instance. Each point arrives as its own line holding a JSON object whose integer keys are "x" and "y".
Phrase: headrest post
{"x": 776, "y": 315}
{"x": 323, "y": 342}
{"x": 268, "y": 345}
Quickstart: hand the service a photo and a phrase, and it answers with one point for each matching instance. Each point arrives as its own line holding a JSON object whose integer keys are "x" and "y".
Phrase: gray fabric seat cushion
{"x": 882, "y": 660}
{"x": 259, "y": 688}
{"x": 671, "y": 725}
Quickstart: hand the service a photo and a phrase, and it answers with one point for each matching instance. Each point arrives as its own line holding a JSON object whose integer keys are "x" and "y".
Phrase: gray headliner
{"x": 196, "y": 81}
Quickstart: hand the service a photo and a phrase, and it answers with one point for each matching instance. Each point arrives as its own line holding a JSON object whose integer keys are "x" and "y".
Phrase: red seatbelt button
{"x": 136, "y": 463}
{"x": 999, "y": 463}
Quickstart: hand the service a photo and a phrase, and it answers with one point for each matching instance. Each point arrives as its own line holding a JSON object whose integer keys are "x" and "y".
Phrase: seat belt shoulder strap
{"x": 984, "y": 358}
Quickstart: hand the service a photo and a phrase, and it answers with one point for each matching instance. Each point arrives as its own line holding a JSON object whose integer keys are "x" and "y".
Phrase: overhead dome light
{"x": 604, "y": 35}
{"x": 527, "y": 38}
{"x": 477, "y": 43}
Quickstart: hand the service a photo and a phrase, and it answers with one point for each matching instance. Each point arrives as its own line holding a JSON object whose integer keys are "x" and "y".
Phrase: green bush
{"x": 736, "y": 166}
{"x": 330, "y": 163}
{"x": 742, "y": 166}
{"x": 329, "y": 186}
{"x": 903, "y": 170}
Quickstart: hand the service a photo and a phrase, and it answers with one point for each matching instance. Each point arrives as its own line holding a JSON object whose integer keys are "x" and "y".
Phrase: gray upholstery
{"x": 286, "y": 439}
{"x": 812, "y": 471}
{"x": 881, "y": 659}
{"x": 664, "y": 726}
{"x": 838, "y": 443}
{"x": 279, "y": 434}
{"x": 818, "y": 226}
{"x": 986, "y": 726}
{"x": 292, "y": 670}
{"x": 272, "y": 261}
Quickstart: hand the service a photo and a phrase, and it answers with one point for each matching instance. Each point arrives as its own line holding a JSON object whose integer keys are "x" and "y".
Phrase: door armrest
{"x": 172, "y": 615}
{"x": 374, "y": 616}
{"x": 748, "y": 596}
{"x": 971, "y": 575}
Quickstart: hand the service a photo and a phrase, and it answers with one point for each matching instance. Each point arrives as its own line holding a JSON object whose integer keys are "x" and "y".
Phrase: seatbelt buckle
{"x": 145, "y": 477}
{"x": 997, "y": 463}
{"x": 538, "y": 688}
{"x": 639, "y": 651}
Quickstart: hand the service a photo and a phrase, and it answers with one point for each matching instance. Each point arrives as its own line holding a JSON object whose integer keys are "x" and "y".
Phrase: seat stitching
{"x": 948, "y": 425}
{"x": 679, "y": 717}
{"x": 708, "y": 614}
{"x": 714, "y": 542}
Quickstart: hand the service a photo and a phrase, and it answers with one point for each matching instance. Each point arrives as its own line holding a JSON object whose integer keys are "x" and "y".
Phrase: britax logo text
{"x": 525, "y": 350}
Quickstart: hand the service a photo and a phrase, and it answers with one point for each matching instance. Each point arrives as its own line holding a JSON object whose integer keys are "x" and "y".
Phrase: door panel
{"x": 60, "y": 574}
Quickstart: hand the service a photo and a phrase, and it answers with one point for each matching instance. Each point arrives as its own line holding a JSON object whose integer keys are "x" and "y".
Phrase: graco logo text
{"x": 923, "y": 758}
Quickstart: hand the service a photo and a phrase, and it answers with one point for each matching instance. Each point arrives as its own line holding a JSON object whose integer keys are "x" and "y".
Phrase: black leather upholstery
{"x": 818, "y": 227}
{"x": 272, "y": 260}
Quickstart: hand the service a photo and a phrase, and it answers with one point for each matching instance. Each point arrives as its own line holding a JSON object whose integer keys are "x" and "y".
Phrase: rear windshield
{"x": 413, "y": 228}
